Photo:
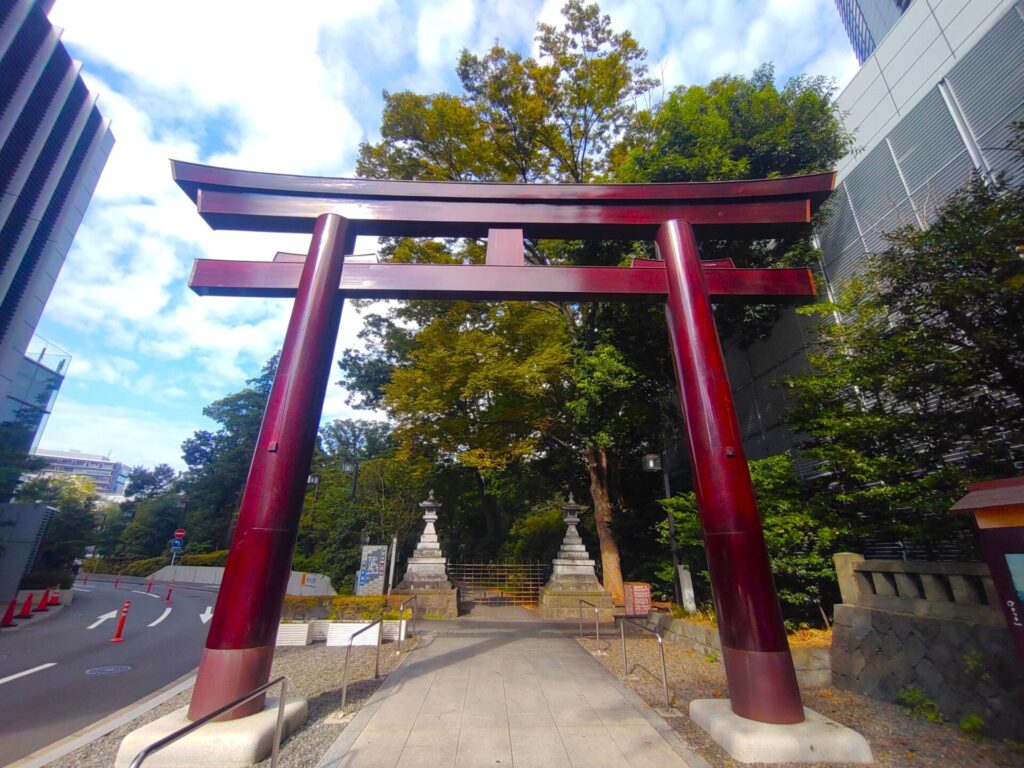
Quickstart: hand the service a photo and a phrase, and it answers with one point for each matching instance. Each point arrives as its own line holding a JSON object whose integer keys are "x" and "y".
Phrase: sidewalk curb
{"x": 102, "y": 727}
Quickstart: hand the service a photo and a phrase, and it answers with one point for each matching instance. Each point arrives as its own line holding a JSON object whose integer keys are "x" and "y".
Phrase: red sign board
{"x": 638, "y": 598}
{"x": 180, "y": 533}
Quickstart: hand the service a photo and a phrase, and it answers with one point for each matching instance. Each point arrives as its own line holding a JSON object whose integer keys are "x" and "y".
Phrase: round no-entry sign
{"x": 180, "y": 533}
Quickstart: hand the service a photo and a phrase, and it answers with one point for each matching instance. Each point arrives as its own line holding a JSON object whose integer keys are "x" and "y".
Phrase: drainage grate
{"x": 114, "y": 669}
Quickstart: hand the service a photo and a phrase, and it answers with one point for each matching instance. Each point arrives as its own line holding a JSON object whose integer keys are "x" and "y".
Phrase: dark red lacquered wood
{"x": 244, "y": 626}
{"x": 430, "y": 218}
{"x": 192, "y": 177}
{"x": 492, "y": 283}
{"x": 505, "y": 248}
{"x": 762, "y": 681}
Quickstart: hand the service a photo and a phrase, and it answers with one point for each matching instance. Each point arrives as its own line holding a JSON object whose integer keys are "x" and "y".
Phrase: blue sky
{"x": 294, "y": 89}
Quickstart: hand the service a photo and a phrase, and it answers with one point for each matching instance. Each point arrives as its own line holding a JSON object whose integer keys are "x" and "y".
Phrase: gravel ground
{"x": 313, "y": 671}
{"x": 897, "y": 740}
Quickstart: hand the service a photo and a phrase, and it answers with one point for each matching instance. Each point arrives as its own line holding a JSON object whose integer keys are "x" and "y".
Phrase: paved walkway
{"x": 501, "y": 687}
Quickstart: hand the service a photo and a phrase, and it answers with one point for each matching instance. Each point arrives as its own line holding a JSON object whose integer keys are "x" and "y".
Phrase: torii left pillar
{"x": 240, "y": 645}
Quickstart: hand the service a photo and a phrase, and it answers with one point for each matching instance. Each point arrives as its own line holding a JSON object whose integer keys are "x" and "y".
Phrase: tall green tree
{"x": 362, "y": 491}
{"x": 522, "y": 119}
{"x": 218, "y": 462}
{"x": 919, "y": 386}
{"x": 71, "y": 529}
{"x": 603, "y": 369}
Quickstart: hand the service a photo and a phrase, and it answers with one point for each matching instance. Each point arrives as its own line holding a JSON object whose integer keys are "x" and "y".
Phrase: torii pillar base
{"x": 815, "y": 740}
{"x": 227, "y": 744}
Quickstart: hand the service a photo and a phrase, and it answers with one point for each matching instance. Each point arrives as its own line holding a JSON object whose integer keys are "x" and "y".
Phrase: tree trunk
{"x": 489, "y": 504}
{"x": 598, "y": 465}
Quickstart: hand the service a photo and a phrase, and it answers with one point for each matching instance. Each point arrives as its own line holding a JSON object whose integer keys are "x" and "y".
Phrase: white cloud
{"x": 131, "y": 435}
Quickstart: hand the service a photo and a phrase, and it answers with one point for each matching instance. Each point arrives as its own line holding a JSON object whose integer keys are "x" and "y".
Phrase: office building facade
{"x": 53, "y": 145}
{"x": 107, "y": 477}
{"x": 867, "y": 22}
{"x": 932, "y": 105}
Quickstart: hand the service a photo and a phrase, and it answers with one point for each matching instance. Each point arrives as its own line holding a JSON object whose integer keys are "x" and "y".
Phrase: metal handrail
{"x": 597, "y": 625}
{"x": 379, "y": 623}
{"x": 156, "y": 746}
{"x": 412, "y": 621}
{"x": 661, "y": 646}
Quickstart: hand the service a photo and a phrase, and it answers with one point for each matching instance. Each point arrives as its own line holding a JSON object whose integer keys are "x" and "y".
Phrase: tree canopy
{"x": 493, "y": 389}
{"x": 919, "y": 386}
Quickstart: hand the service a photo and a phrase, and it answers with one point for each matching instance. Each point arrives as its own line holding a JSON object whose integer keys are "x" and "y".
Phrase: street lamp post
{"x": 352, "y": 467}
{"x": 653, "y": 462}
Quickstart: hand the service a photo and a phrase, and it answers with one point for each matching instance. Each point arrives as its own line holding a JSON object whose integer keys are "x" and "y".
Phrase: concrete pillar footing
{"x": 816, "y": 740}
{"x": 220, "y": 744}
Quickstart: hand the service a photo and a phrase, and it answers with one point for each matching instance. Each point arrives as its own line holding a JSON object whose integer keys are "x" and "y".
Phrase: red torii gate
{"x": 240, "y": 645}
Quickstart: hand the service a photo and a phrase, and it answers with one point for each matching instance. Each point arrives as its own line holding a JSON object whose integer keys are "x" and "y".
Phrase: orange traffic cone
{"x": 26, "y": 608}
{"x": 44, "y": 602}
{"x": 55, "y": 597}
{"x": 9, "y": 614}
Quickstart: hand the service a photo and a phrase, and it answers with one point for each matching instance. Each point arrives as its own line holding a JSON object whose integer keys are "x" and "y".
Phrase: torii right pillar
{"x": 758, "y": 665}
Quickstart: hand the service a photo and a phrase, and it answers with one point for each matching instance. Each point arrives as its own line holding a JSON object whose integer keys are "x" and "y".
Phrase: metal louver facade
{"x": 934, "y": 106}
{"x": 53, "y": 145}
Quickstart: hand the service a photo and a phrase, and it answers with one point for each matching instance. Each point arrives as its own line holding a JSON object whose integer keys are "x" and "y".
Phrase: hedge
{"x": 340, "y": 607}
{"x": 46, "y": 579}
{"x": 152, "y": 564}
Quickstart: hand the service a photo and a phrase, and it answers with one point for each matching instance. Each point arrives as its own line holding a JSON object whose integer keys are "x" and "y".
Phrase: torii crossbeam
{"x": 239, "y": 648}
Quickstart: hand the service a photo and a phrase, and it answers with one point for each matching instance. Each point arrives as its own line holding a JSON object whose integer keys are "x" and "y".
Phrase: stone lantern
{"x": 425, "y": 574}
{"x": 573, "y": 577}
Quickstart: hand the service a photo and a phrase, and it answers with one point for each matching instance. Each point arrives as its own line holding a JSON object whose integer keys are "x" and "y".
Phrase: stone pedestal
{"x": 426, "y": 568}
{"x": 229, "y": 744}
{"x": 573, "y": 577}
{"x": 816, "y": 740}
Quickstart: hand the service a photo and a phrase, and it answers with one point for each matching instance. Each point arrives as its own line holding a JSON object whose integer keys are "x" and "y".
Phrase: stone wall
{"x": 903, "y": 624}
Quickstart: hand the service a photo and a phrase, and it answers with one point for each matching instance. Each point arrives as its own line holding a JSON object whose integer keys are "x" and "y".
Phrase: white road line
{"x": 27, "y": 672}
{"x": 147, "y": 594}
{"x": 80, "y": 589}
{"x": 101, "y": 619}
{"x": 164, "y": 615}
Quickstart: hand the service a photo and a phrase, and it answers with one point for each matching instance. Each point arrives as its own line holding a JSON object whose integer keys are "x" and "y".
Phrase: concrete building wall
{"x": 53, "y": 145}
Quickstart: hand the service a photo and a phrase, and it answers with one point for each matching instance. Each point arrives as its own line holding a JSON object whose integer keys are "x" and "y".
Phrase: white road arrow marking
{"x": 164, "y": 615}
{"x": 147, "y": 594}
{"x": 27, "y": 672}
{"x": 207, "y": 614}
{"x": 101, "y": 619}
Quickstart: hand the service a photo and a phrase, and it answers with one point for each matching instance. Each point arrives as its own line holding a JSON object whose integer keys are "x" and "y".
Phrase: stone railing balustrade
{"x": 957, "y": 591}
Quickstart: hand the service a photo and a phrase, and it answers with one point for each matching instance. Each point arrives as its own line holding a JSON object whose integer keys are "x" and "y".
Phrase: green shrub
{"x": 916, "y": 704}
{"x": 45, "y": 579}
{"x": 215, "y": 559}
{"x": 973, "y": 726}
{"x": 144, "y": 567}
{"x": 342, "y": 608}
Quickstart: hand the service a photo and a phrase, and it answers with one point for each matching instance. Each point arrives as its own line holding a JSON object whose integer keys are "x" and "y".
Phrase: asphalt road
{"x": 63, "y": 685}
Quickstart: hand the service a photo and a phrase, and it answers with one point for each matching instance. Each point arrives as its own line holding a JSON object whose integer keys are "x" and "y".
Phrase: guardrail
{"x": 661, "y": 647}
{"x": 156, "y": 746}
{"x": 379, "y": 623}
{"x": 597, "y": 625}
{"x": 412, "y": 621}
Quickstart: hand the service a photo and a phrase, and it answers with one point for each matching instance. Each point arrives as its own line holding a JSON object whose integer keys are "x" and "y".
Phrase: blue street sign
{"x": 176, "y": 544}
